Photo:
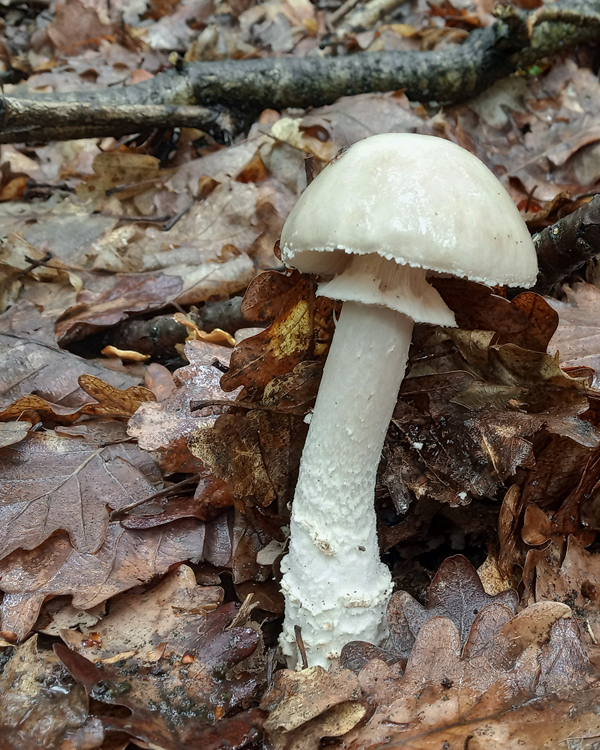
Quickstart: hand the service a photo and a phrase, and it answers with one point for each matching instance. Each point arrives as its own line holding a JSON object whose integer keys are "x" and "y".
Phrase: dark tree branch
{"x": 53, "y": 119}
{"x": 566, "y": 245}
{"x": 247, "y": 86}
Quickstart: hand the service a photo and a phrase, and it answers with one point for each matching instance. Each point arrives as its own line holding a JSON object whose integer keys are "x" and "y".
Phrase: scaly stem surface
{"x": 335, "y": 586}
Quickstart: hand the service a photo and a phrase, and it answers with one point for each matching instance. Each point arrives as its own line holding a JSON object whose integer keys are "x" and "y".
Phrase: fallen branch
{"x": 53, "y": 119}
{"x": 567, "y": 245}
{"x": 247, "y": 86}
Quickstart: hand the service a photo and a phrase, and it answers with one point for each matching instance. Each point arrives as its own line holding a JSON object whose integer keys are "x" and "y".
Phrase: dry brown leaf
{"x": 306, "y": 706}
{"x": 508, "y": 127}
{"x": 53, "y": 483}
{"x": 572, "y": 576}
{"x": 139, "y": 622}
{"x": 113, "y": 402}
{"x": 78, "y": 26}
{"x": 301, "y": 329}
{"x": 131, "y": 293}
{"x": 463, "y": 431}
{"x": 165, "y": 426}
{"x": 110, "y": 402}
{"x": 126, "y": 559}
{"x": 12, "y": 432}
{"x": 126, "y": 174}
{"x": 31, "y": 362}
{"x": 211, "y": 497}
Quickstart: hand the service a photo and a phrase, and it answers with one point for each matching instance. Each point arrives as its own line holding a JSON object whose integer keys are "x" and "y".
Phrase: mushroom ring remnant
{"x": 372, "y": 225}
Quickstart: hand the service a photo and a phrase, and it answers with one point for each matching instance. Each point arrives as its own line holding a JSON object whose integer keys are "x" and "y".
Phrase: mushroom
{"x": 371, "y": 225}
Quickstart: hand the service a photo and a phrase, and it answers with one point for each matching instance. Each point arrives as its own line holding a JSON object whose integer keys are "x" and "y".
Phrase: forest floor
{"x": 152, "y": 422}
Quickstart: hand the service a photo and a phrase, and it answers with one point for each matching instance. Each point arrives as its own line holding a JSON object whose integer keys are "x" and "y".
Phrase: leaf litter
{"x": 146, "y": 507}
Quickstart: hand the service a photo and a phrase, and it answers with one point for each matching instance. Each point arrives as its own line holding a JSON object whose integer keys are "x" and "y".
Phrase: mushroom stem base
{"x": 335, "y": 586}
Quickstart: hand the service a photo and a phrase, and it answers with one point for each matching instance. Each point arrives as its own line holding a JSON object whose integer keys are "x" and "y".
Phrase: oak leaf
{"x": 126, "y": 559}
{"x": 301, "y": 328}
{"x": 54, "y": 483}
{"x": 182, "y": 689}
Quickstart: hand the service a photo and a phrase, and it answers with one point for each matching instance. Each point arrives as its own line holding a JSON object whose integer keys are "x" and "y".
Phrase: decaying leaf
{"x": 131, "y": 293}
{"x": 32, "y": 363}
{"x": 41, "y": 705}
{"x": 455, "y": 593}
{"x": 474, "y": 674}
{"x": 182, "y": 687}
{"x": 306, "y": 706}
{"x": 577, "y": 338}
{"x": 468, "y": 426}
{"x": 571, "y": 575}
{"x": 12, "y": 432}
{"x": 301, "y": 328}
{"x": 232, "y": 450}
{"x": 165, "y": 426}
{"x": 477, "y": 675}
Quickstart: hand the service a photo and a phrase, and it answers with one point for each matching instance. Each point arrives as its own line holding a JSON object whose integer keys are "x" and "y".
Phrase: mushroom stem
{"x": 335, "y": 587}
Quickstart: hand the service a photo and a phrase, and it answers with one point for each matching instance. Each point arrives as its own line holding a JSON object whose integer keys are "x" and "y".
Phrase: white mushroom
{"x": 371, "y": 225}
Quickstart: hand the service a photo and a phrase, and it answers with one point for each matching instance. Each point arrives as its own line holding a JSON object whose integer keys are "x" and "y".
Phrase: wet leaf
{"x": 190, "y": 682}
{"x": 577, "y": 339}
{"x": 231, "y": 450}
{"x": 32, "y": 363}
{"x": 40, "y": 704}
{"x": 140, "y": 622}
{"x": 471, "y": 680}
{"x": 455, "y": 593}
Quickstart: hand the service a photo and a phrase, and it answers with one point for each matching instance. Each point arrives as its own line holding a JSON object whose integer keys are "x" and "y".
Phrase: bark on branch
{"x": 566, "y": 245}
{"x": 52, "y": 119}
{"x": 247, "y": 86}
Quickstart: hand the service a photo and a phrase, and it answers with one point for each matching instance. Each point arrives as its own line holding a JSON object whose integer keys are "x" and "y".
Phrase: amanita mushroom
{"x": 371, "y": 225}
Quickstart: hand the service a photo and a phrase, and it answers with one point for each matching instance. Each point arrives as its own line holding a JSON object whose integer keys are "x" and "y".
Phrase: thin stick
{"x": 156, "y": 496}
{"x": 301, "y": 647}
{"x": 195, "y": 405}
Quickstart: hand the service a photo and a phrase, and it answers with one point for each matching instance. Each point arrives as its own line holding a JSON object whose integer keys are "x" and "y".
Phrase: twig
{"x": 156, "y": 496}
{"x": 566, "y": 245}
{"x": 243, "y": 613}
{"x": 301, "y": 647}
{"x": 174, "y": 219}
{"x": 362, "y": 18}
{"x": 309, "y": 168}
{"x": 249, "y": 405}
{"x": 334, "y": 18}
{"x": 246, "y": 86}
{"x": 33, "y": 264}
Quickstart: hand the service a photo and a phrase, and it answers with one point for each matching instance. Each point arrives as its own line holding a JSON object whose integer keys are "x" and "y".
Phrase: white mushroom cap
{"x": 416, "y": 199}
